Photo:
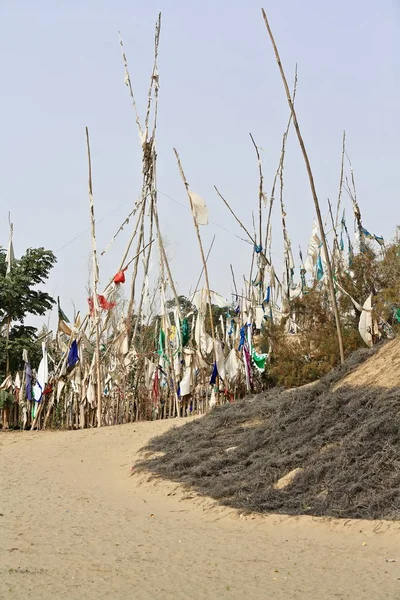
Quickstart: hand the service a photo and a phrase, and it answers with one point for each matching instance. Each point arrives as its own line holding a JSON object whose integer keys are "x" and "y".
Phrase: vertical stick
{"x": 95, "y": 283}
{"x": 341, "y": 180}
{"x": 146, "y": 261}
{"x": 281, "y": 160}
{"x": 261, "y": 199}
{"x": 287, "y": 246}
{"x": 260, "y": 188}
{"x": 353, "y": 198}
{"x": 335, "y": 237}
{"x": 312, "y": 185}
{"x": 202, "y": 270}
{"x": 9, "y": 260}
{"x": 135, "y": 269}
{"x": 234, "y": 282}
{"x": 203, "y": 258}
{"x": 160, "y": 240}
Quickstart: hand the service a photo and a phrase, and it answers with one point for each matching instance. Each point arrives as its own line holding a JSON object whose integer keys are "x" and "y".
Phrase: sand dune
{"x": 75, "y": 524}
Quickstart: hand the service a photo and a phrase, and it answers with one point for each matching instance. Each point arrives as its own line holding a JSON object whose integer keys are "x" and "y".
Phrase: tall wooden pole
{"x": 10, "y": 259}
{"x": 95, "y": 284}
{"x": 341, "y": 179}
{"x": 312, "y": 185}
{"x": 203, "y": 258}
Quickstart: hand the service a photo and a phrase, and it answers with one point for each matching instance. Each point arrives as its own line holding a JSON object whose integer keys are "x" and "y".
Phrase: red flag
{"x": 104, "y": 303}
{"x": 119, "y": 277}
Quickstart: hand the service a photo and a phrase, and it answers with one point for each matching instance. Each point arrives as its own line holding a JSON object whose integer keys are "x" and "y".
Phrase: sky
{"x": 61, "y": 70}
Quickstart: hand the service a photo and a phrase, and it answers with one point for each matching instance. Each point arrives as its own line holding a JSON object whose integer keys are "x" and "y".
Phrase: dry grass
{"x": 347, "y": 443}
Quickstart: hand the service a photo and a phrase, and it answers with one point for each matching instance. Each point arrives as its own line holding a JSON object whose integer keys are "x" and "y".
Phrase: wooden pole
{"x": 286, "y": 241}
{"x": 202, "y": 270}
{"x": 341, "y": 180}
{"x": 160, "y": 240}
{"x": 312, "y": 185}
{"x": 146, "y": 266}
{"x": 234, "y": 282}
{"x": 261, "y": 199}
{"x": 9, "y": 268}
{"x": 281, "y": 160}
{"x": 95, "y": 284}
{"x": 353, "y": 197}
{"x": 135, "y": 271}
{"x": 260, "y": 188}
{"x": 203, "y": 258}
{"x": 335, "y": 237}
{"x": 251, "y": 238}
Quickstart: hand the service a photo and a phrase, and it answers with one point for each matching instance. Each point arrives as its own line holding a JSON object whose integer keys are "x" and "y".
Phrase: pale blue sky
{"x": 61, "y": 70}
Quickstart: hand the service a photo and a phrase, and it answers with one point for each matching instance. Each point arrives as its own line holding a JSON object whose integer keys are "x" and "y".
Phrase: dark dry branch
{"x": 347, "y": 441}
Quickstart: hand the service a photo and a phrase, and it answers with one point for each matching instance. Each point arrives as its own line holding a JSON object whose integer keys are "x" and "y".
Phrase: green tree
{"x": 20, "y": 296}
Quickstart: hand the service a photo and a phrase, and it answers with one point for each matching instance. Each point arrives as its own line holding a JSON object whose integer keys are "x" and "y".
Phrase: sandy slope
{"x": 75, "y": 524}
{"x": 380, "y": 370}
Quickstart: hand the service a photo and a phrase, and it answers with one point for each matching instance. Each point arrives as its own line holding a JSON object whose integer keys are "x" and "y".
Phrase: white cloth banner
{"x": 199, "y": 208}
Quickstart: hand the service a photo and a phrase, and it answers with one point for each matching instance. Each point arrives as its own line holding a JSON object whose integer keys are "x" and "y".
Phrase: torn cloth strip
{"x": 259, "y": 360}
{"x": 214, "y": 375}
{"x": 199, "y": 208}
{"x": 247, "y": 364}
{"x": 242, "y": 338}
{"x": 73, "y": 356}
{"x": 61, "y": 314}
{"x": 185, "y": 332}
{"x": 103, "y": 303}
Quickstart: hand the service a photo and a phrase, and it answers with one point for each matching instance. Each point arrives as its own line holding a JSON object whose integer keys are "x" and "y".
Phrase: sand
{"x": 74, "y": 523}
{"x": 380, "y": 370}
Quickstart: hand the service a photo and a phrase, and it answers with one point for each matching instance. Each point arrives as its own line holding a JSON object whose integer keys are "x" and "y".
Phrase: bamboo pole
{"x": 148, "y": 148}
{"x": 261, "y": 199}
{"x": 260, "y": 188}
{"x": 251, "y": 238}
{"x": 286, "y": 241}
{"x": 281, "y": 160}
{"x": 234, "y": 282}
{"x": 160, "y": 240}
{"x": 335, "y": 237}
{"x": 164, "y": 255}
{"x": 341, "y": 180}
{"x": 10, "y": 259}
{"x": 202, "y": 270}
{"x": 353, "y": 198}
{"x": 312, "y": 185}
{"x": 146, "y": 266}
{"x": 203, "y": 258}
{"x": 135, "y": 271}
{"x": 95, "y": 282}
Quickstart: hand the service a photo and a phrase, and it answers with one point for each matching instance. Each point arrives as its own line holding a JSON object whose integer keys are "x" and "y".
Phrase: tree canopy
{"x": 21, "y": 296}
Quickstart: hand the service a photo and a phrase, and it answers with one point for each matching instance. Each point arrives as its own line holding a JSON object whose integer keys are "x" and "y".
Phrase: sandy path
{"x": 74, "y": 524}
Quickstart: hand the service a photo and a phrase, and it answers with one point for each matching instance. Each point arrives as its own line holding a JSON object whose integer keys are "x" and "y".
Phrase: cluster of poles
{"x": 123, "y": 361}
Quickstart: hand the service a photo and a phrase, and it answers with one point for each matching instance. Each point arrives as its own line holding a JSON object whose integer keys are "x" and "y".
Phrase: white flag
{"x": 199, "y": 208}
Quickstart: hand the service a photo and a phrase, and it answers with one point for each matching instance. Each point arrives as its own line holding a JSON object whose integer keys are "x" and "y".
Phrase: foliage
{"x": 297, "y": 359}
{"x": 185, "y": 306}
{"x": 20, "y": 297}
